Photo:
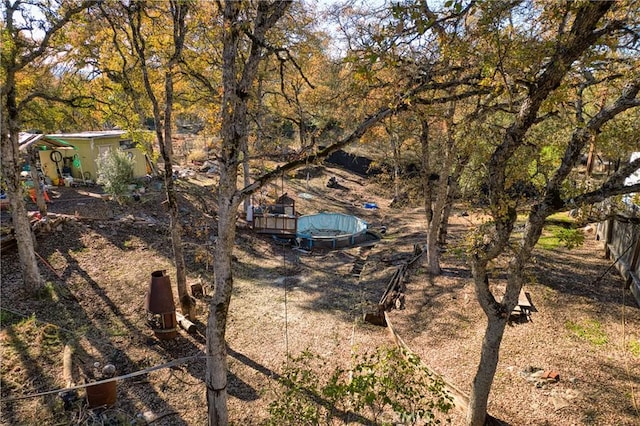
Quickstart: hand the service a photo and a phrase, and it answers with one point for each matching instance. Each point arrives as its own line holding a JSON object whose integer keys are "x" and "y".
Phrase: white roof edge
{"x": 635, "y": 176}
{"x": 89, "y": 134}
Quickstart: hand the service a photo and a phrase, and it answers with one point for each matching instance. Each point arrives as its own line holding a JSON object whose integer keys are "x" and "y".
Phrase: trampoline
{"x": 332, "y": 230}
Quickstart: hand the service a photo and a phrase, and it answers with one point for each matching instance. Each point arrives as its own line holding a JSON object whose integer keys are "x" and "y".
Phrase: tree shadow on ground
{"x": 181, "y": 346}
{"x": 595, "y": 279}
{"x": 105, "y": 332}
{"x": 32, "y": 370}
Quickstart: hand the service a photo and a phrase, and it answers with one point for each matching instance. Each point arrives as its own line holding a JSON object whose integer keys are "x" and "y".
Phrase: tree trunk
{"x": 186, "y": 302}
{"x": 483, "y": 379}
{"x": 25, "y": 239}
{"x": 233, "y": 126}
{"x": 246, "y": 172}
{"x": 164, "y": 135}
{"x": 570, "y": 47}
{"x": 446, "y": 214}
{"x": 187, "y": 307}
{"x": 37, "y": 186}
{"x": 234, "y": 137}
{"x": 433, "y": 254}
{"x": 452, "y": 194}
{"x": 441, "y": 196}
{"x": 396, "y": 165}
{"x": 11, "y": 174}
{"x": 426, "y": 171}
{"x": 216, "y": 378}
{"x": 16, "y": 56}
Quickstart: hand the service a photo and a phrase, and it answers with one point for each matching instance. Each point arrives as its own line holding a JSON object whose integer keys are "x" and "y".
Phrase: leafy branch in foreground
{"x": 389, "y": 386}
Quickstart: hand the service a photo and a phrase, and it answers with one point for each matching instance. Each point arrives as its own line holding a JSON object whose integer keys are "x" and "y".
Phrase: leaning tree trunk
{"x": 186, "y": 303}
{"x": 11, "y": 174}
{"x": 24, "y": 236}
{"x": 570, "y": 47}
{"x": 497, "y": 316}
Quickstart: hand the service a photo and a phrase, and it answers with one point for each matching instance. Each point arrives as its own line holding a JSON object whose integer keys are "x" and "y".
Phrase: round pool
{"x": 330, "y": 230}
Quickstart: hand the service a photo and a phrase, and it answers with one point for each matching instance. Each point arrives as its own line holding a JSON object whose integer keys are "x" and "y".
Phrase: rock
{"x": 149, "y": 416}
{"x": 109, "y": 370}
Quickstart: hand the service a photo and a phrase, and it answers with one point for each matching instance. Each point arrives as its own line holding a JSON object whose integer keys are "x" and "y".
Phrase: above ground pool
{"x": 331, "y": 230}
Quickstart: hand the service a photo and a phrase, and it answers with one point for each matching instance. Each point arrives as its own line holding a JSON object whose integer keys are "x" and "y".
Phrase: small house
{"x": 89, "y": 146}
{"x": 77, "y": 154}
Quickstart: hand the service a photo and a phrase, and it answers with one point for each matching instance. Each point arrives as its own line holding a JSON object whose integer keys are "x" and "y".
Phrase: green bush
{"x": 115, "y": 173}
{"x": 571, "y": 238}
{"x": 389, "y": 386}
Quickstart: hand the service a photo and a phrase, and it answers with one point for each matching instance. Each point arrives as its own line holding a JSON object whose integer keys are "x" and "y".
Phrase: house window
{"x": 127, "y": 144}
{"x": 103, "y": 149}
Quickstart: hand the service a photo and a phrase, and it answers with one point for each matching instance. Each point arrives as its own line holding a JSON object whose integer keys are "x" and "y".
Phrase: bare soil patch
{"x": 286, "y": 301}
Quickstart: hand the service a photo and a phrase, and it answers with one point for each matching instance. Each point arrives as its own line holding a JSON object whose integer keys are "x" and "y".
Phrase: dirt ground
{"x": 98, "y": 265}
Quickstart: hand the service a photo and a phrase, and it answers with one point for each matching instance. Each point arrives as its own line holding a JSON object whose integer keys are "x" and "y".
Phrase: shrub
{"x": 389, "y": 386}
{"x": 197, "y": 155}
{"x": 571, "y": 238}
{"x": 115, "y": 173}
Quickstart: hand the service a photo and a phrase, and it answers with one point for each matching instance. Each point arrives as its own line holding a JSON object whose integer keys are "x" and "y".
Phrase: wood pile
{"x": 53, "y": 222}
{"x": 394, "y": 294}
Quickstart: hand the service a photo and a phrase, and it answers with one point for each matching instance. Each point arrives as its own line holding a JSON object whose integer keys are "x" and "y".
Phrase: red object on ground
{"x": 32, "y": 194}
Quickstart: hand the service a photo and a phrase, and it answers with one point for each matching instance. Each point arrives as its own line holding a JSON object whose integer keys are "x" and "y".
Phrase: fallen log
{"x": 185, "y": 323}
{"x": 68, "y": 395}
{"x": 67, "y": 365}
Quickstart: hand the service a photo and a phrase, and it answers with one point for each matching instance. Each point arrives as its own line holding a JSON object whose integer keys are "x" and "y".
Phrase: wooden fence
{"x": 622, "y": 245}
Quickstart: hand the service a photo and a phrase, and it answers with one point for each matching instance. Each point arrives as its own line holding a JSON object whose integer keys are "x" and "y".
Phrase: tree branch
{"x": 75, "y": 102}
{"x": 581, "y": 136}
{"x": 383, "y": 113}
{"x": 57, "y": 26}
{"x": 597, "y": 196}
